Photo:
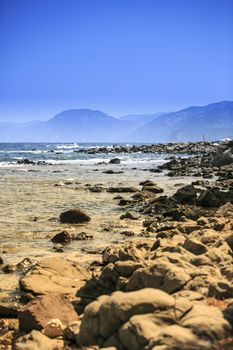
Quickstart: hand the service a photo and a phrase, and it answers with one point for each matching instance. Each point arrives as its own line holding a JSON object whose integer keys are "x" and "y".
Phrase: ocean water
{"x": 65, "y": 153}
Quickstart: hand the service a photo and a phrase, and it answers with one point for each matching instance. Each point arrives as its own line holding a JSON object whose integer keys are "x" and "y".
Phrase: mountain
{"x": 74, "y": 125}
{"x": 140, "y": 119}
{"x": 215, "y": 121}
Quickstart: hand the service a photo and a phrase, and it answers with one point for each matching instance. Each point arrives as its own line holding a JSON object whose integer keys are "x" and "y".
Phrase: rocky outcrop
{"x": 148, "y": 319}
{"x": 53, "y": 275}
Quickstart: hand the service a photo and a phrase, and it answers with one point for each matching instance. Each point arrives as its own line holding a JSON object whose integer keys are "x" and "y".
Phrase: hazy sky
{"x": 120, "y": 56}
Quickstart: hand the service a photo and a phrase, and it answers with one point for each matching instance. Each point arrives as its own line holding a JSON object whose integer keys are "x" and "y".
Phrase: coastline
{"x": 182, "y": 234}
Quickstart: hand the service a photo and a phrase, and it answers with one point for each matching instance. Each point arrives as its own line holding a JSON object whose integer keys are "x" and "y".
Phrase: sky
{"x": 118, "y": 56}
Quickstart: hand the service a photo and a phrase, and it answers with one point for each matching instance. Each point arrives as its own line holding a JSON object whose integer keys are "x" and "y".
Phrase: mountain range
{"x": 213, "y": 122}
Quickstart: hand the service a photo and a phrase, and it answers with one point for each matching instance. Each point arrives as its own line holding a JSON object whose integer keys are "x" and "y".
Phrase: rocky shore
{"x": 166, "y": 287}
{"x": 179, "y": 147}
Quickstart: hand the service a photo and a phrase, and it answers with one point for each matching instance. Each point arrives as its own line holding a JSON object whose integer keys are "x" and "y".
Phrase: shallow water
{"x": 30, "y": 203}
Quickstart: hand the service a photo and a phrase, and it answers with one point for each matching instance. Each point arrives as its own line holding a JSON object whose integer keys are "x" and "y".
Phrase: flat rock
{"x": 53, "y": 275}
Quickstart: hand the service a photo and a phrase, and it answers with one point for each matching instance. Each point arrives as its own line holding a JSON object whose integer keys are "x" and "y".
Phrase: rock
{"x": 53, "y": 275}
{"x": 225, "y": 210}
{"x": 220, "y": 290}
{"x": 74, "y": 216}
{"x": 229, "y": 241}
{"x": 39, "y": 312}
{"x": 9, "y": 307}
{"x": 147, "y": 183}
{"x": 130, "y": 215}
{"x": 148, "y": 331}
{"x": 223, "y": 158}
{"x": 125, "y": 252}
{"x": 96, "y": 189}
{"x": 110, "y": 171}
{"x": 161, "y": 274}
{"x": 121, "y": 190}
{"x": 23, "y": 266}
{"x": 54, "y": 328}
{"x": 83, "y": 236}
{"x": 153, "y": 189}
{"x": 195, "y": 246}
{"x": 123, "y": 202}
{"x": 62, "y": 238}
{"x": 149, "y": 320}
{"x": 186, "y": 194}
{"x": 127, "y": 233}
{"x": 208, "y": 199}
{"x": 103, "y": 317}
{"x": 35, "y": 341}
{"x": 206, "y": 322}
{"x": 115, "y": 161}
{"x": 72, "y": 331}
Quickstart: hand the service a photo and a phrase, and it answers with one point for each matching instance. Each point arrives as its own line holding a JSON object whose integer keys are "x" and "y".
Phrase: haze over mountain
{"x": 215, "y": 121}
{"x": 140, "y": 119}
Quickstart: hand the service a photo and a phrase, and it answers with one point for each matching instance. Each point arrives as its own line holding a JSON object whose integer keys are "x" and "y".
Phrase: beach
{"x": 149, "y": 209}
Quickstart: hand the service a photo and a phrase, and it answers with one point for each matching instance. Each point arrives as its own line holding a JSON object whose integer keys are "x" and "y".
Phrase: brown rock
{"x": 194, "y": 246}
{"x": 38, "y": 312}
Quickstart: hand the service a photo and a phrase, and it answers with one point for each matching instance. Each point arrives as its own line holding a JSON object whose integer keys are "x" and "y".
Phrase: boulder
{"x": 207, "y": 322}
{"x": 35, "y": 341}
{"x": 161, "y": 274}
{"x": 208, "y": 199}
{"x": 41, "y": 310}
{"x": 74, "y": 216}
{"x": 151, "y": 319}
{"x": 223, "y": 158}
{"x": 186, "y": 194}
{"x": 103, "y": 317}
{"x": 53, "y": 275}
{"x": 147, "y": 331}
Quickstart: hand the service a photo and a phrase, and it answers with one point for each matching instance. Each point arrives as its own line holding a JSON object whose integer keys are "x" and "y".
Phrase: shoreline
{"x": 168, "y": 230}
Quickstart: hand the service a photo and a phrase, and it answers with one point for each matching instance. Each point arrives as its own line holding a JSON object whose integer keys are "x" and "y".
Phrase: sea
{"x": 66, "y": 153}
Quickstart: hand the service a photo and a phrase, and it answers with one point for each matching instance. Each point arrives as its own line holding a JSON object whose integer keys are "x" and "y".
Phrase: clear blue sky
{"x": 120, "y": 56}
